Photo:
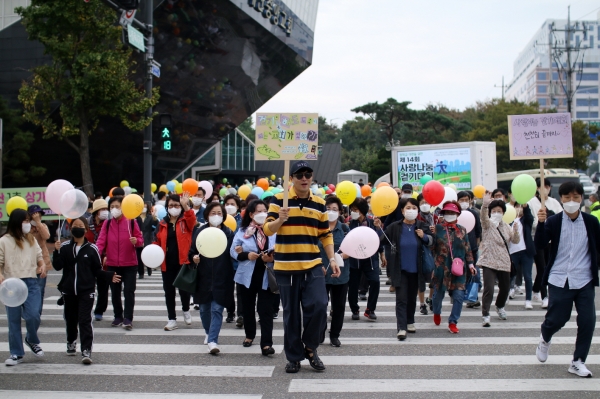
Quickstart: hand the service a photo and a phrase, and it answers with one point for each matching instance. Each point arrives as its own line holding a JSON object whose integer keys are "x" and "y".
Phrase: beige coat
{"x": 41, "y": 234}
{"x": 493, "y": 253}
{"x": 17, "y": 262}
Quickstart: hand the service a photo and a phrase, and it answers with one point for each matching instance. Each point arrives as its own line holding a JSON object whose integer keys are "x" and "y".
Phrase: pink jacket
{"x": 117, "y": 247}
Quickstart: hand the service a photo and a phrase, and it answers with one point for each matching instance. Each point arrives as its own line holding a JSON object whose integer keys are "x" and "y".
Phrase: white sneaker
{"x": 578, "y": 367}
{"x": 511, "y": 293}
{"x": 13, "y": 360}
{"x": 213, "y": 348}
{"x": 545, "y": 303}
{"x": 501, "y": 313}
{"x": 528, "y": 305}
{"x": 171, "y": 325}
{"x": 401, "y": 335}
{"x": 187, "y": 317}
{"x": 542, "y": 350}
{"x": 411, "y": 328}
{"x": 537, "y": 297}
{"x": 486, "y": 321}
{"x": 206, "y": 340}
{"x": 518, "y": 291}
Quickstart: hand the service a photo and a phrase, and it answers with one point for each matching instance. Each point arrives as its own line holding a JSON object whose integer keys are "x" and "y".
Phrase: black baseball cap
{"x": 407, "y": 187}
{"x": 34, "y": 209}
{"x": 298, "y": 166}
{"x": 538, "y": 182}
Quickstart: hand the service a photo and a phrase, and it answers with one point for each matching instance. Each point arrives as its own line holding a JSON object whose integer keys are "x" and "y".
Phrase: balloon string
{"x": 59, "y": 228}
{"x": 386, "y": 237}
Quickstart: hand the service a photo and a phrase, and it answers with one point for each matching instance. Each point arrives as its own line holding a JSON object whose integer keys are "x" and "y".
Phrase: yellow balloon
{"x": 16, "y": 203}
{"x": 346, "y": 192}
{"x": 273, "y": 177}
{"x": 479, "y": 191}
{"x": 415, "y": 194}
{"x": 164, "y": 188}
{"x": 179, "y": 188}
{"x": 211, "y": 242}
{"x": 384, "y": 201}
{"x": 175, "y": 181}
{"x": 124, "y": 183}
{"x": 243, "y": 191}
{"x": 132, "y": 206}
{"x": 153, "y": 187}
{"x": 510, "y": 214}
{"x": 231, "y": 223}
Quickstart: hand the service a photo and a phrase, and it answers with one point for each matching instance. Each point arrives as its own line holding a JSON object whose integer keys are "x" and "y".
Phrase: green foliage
{"x": 388, "y": 114}
{"x": 247, "y": 128}
{"x": 16, "y": 143}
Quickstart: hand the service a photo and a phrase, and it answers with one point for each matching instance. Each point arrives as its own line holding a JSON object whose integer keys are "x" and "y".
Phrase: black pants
{"x": 560, "y": 305}
{"x": 102, "y": 300}
{"x": 338, "y": 294}
{"x": 128, "y": 281}
{"x": 406, "y": 299}
{"x": 363, "y": 286}
{"x": 230, "y": 301}
{"x": 372, "y": 276}
{"x": 168, "y": 277}
{"x": 304, "y": 300}
{"x": 264, "y": 307}
{"x": 540, "y": 265}
{"x": 386, "y": 249}
{"x": 489, "y": 278}
{"x": 78, "y": 311}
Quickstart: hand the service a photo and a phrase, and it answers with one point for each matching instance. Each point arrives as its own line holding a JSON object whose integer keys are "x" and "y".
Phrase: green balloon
{"x": 223, "y": 192}
{"x": 224, "y": 180}
{"x": 424, "y": 179}
{"x": 523, "y": 188}
{"x": 266, "y": 194}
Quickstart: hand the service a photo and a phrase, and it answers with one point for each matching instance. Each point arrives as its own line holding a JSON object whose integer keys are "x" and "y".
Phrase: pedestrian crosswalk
{"x": 150, "y": 362}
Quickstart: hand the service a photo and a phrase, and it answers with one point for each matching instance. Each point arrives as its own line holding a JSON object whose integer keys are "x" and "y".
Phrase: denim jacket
{"x": 339, "y": 232}
{"x": 243, "y": 274}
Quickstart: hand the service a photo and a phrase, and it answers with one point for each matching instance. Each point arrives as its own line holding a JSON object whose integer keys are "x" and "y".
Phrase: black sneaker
{"x": 355, "y": 316}
{"x": 230, "y": 317}
{"x": 370, "y": 315}
{"x": 335, "y": 342}
{"x": 71, "y": 348}
{"x": 239, "y": 323}
{"x": 388, "y": 281}
{"x": 35, "y": 348}
{"x": 313, "y": 359}
{"x": 196, "y": 307}
{"x": 292, "y": 367}
{"x": 127, "y": 324}
{"x": 86, "y": 356}
{"x": 117, "y": 322}
{"x": 429, "y": 302}
{"x": 423, "y": 309}
{"x": 473, "y": 304}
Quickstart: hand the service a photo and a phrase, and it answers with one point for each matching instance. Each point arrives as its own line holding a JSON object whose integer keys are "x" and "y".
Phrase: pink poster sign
{"x": 540, "y": 136}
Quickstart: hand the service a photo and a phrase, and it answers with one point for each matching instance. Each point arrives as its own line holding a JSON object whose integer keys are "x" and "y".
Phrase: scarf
{"x": 261, "y": 239}
{"x": 447, "y": 225}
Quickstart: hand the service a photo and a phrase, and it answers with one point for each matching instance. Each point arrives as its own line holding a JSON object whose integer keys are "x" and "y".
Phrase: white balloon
{"x": 358, "y": 192}
{"x": 211, "y": 242}
{"x": 153, "y": 256}
{"x": 73, "y": 204}
{"x": 360, "y": 243}
{"x": 127, "y": 190}
{"x": 450, "y": 195}
{"x": 339, "y": 260}
{"x": 467, "y": 220}
{"x": 13, "y": 292}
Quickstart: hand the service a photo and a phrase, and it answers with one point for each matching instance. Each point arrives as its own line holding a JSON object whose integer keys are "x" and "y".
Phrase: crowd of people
{"x": 284, "y": 255}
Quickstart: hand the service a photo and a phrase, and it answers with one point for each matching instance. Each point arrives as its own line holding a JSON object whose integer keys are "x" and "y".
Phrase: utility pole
{"x": 503, "y": 87}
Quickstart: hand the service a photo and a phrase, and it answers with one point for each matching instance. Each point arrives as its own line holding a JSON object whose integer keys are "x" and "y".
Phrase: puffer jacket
{"x": 113, "y": 241}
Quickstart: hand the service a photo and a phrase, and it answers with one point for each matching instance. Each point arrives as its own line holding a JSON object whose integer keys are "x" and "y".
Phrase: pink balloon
{"x": 467, "y": 220}
{"x": 360, "y": 243}
{"x": 207, "y": 187}
{"x": 54, "y": 193}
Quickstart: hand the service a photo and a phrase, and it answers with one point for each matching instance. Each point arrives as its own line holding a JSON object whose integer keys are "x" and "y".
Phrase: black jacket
{"x": 550, "y": 231}
{"x": 148, "y": 228}
{"x": 79, "y": 271}
{"x": 475, "y": 233}
{"x": 373, "y": 261}
{"x": 527, "y": 222}
{"x": 215, "y": 275}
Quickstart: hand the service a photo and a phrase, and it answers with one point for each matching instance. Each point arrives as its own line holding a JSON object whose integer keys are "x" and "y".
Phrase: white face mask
{"x": 116, "y": 213}
{"x": 231, "y": 209}
{"x": 215, "y": 220}
{"x": 354, "y": 215}
{"x": 411, "y": 214}
{"x": 175, "y": 212}
{"x": 333, "y": 215}
{"x": 571, "y": 206}
{"x": 406, "y": 196}
{"x": 425, "y": 208}
{"x": 26, "y": 227}
{"x": 145, "y": 210}
{"x": 450, "y": 218}
{"x": 103, "y": 215}
{"x": 496, "y": 218}
{"x": 464, "y": 206}
{"x": 33, "y": 223}
{"x": 260, "y": 218}
{"x": 197, "y": 201}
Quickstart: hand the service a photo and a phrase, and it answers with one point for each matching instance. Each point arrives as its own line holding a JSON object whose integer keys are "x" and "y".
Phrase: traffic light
{"x": 166, "y": 133}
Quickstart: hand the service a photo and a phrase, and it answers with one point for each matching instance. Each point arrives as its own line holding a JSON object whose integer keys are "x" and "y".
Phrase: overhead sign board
{"x": 540, "y": 136}
{"x": 135, "y": 38}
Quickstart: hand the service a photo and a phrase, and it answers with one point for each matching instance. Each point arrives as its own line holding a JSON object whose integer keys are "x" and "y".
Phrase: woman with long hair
{"x": 21, "y": 257}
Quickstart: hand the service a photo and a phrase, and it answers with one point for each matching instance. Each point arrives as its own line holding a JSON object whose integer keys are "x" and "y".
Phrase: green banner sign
{"x": 33, "y": 196}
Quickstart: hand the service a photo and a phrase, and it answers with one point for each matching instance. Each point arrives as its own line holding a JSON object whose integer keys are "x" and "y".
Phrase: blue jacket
{"x": 200, "y": 215}
{"x": 339, "y": 232}
{"x": 245, "y": 269}
{"x": 373, "y": 261}
{"x": 550, "y": 231}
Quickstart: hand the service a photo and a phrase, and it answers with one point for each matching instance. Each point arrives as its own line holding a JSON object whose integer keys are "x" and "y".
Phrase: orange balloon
{"x": 263, "y": 183}
{"x": 365, "y": 191}
{"x": 382, "y": 184}
{"x": 190, "y": 186}
{"x": 110, "y": 193}
{"x": 479, "y": 191}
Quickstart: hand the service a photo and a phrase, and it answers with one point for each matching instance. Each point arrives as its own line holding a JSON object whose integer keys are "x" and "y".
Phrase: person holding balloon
{"x": 426, "y": 216}
{"x": 81, "y": 265}
{"x": 523, "y": 252}
{"x": 174, "y": 236}
{"x": 117, "y": 241}
{"x": 41, "y": 233}
{"x": 215, "y": 274}
{"x": 147, "y": 222}
{"x": 474, "y": 234}
{"x": 21, "y": 257}
{"x": 494, "y": 257}
{"x": 95, "y": 221}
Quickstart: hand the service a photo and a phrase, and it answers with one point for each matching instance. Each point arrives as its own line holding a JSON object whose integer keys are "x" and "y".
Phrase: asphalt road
{"x": 495, "y": 362}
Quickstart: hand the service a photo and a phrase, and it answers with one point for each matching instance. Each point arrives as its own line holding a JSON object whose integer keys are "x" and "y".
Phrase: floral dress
{"x": 442, "y": 276}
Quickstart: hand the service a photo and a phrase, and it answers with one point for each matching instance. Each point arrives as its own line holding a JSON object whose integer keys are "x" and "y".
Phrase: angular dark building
{"x": 220, "y": 60}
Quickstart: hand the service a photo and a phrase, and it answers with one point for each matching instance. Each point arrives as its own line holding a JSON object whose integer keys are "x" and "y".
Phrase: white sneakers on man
{"x": 578, "y": 367}
{"x": 171, "y": 325}
{"x": 206, "y": 340}
{"x": 486, "y": 321}
{"x": 213, "y": 348}
{"x": 545, "y": 303}
{"x": 528, "y": 305}
{"x": 542, "y": 350}
{"x": 511, "y": 293}
{"x": 501, "y": 313}
{"x": 537, "y": 297}
{"x": 187, "y": 317}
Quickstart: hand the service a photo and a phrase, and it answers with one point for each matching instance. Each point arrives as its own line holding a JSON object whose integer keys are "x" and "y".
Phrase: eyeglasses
{"x": 174, "y": 206}
{"x": 299, "y": 176}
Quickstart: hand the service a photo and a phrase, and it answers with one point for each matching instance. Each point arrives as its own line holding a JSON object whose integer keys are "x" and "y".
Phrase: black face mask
{"x": 78, "y": 232}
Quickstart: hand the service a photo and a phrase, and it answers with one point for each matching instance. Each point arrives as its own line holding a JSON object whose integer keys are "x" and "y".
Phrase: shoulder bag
{"x": 187, "y": 278}
{"x": 458, "y": 266}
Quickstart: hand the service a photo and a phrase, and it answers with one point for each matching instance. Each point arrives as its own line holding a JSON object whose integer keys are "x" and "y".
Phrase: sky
{"x": 426, "y": 52}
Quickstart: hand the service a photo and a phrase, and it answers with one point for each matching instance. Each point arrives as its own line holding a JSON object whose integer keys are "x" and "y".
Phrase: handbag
{"x": 458, "y": 266}
{"x": 186, "y": 279}
{"x": 273, "y": 287}
{"x": 428, "y": 262}
{"x": 513, "y": 268}
{"x": 471, "y": 291}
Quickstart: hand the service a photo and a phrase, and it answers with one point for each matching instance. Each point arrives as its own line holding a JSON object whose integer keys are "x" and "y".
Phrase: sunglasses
{"x": 299, "y": 176}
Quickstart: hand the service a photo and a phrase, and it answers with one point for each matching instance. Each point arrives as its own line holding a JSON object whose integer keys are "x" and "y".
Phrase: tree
{"x": 89, "y": 76}
{"x": 387, "y": 115}
{"x": 247, "y": 128}
{"x": 15, "y": 147}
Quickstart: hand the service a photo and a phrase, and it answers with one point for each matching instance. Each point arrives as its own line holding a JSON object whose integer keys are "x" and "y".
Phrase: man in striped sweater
{"x": 298, "y": 268}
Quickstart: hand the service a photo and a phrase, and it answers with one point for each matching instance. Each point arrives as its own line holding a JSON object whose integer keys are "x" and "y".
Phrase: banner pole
{"x": 286, "y": 182}
{"x": 542, "y": 185}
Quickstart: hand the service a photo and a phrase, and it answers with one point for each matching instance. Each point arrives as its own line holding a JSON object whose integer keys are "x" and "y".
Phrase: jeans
{"x": 457, "y": 296}
{"x": 338, "y": 294}
{"x": 489, "y": 278}
{"x": 372, "y": 276}
{"x": 523, "y": 262}
{"x": 211, "y": 314}
{"x": 128, "y": 281}
{"x": 168, "y": 277}
{"x": 30, "y": 312}
{"x": 406, "y": 299}
{"x": 42, "y": 283}
{"x": 560, "y": 305}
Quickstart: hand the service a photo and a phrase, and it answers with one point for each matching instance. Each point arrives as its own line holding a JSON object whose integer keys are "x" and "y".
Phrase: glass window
{"x": 239, "y": 152}
{"x": 587, "y": 76}
{"x": 542, "y": 89}
{"x": 588, "y": 89}
{"x": 587, "y": 102}
{"x": 542, "y": 75}
{"x": 585, "y": 114}
{"x": 592, "y": 41}
{"x": 542, "y": 101}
